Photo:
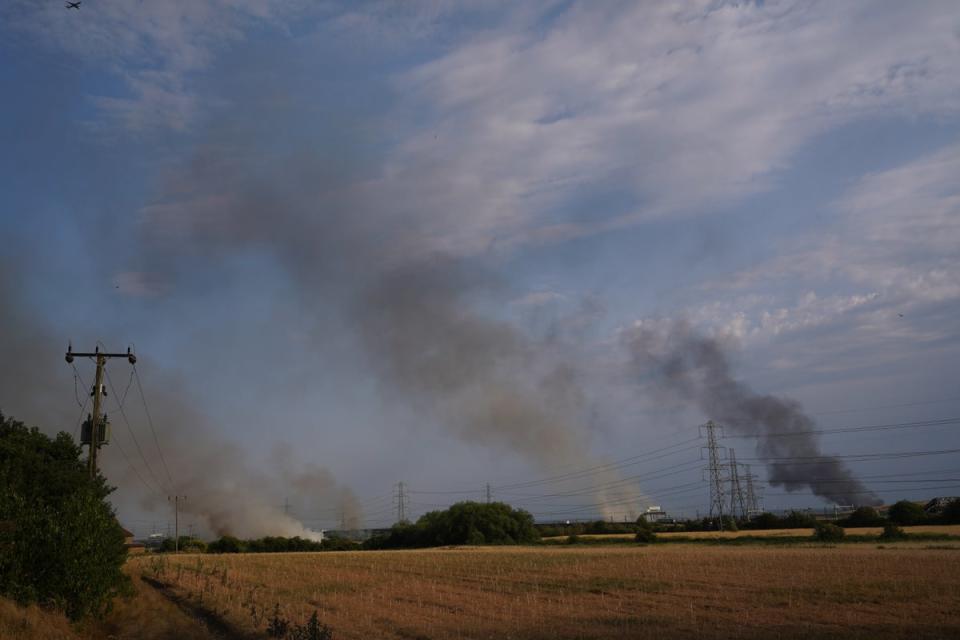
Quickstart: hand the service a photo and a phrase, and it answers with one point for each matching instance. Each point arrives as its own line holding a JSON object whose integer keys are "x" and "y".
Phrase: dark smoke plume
{"x": 696, "y": 368}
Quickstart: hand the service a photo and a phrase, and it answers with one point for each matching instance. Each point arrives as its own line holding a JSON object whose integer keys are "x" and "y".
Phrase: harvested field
{"x": 682, "y": 591}
{"x": 950, "y": 530}
{"x": 148, "y": 615}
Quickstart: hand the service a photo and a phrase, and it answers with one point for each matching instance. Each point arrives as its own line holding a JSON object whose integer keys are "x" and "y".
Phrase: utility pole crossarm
{"x": 71, "y": 354}
{"x": 98, "y": 393}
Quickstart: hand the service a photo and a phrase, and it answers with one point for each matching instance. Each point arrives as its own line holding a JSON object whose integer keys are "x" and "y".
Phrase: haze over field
{"x": 454, "y": 244}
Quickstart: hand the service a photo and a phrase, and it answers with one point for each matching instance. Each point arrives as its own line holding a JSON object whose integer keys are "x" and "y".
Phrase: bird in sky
{"x": 73, "y": 5}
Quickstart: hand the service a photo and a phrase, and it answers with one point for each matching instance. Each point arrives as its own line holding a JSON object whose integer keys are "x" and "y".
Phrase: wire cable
{"x": 876, "y": 427}
{"x": 146, "y": 410}
{"x": 126, "y": 422}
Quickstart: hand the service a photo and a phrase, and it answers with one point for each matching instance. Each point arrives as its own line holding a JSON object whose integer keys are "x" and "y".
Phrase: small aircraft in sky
{"x": 73, "y": 5}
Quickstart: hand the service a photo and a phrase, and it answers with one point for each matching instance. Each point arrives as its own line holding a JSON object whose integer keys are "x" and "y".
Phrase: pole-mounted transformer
{"x": 103, "y": 425}
{"x": 103, "y": 433}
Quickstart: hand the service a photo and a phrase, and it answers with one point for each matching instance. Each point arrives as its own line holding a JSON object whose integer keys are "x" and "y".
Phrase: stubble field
{"x": 681, "y": 591}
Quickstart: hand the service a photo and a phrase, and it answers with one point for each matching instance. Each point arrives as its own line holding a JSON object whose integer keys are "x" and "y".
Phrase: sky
{"x": 458, "y": 244}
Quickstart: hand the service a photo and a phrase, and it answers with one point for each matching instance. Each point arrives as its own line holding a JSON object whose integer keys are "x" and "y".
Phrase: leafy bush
{"x": 864, "y": 517}
{"x": 645, "y": 536}
{"x": 226, "y": 544}
{"x": 828, "y": 532}
{"x": 278, "y": 544}
{"x": 798, "y": 520}
{"x": 766, "y": 521}
{"x": 892, "y": 532}
{"x": 61, "y": 544}
{"x": 462, "y": 523}
{"x": 280, "y": 627}
{"x": 906, "y": 513}
{"x": 645, "y": 533}
{"x": 186, "y": 544}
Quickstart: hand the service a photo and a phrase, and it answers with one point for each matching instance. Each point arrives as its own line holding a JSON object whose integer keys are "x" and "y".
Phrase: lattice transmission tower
{"x": 754, "y": 505}
{"x": 738, "y": 506}
{"x": 714, "y": 470}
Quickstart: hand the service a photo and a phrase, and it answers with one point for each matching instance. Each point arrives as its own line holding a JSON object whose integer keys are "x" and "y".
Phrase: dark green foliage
{"x": 793, "y": 520}
{"x": 278, "y": 544}
{"x": 226, "y": 544}
{"x": 951, "y": 513}
{"x": 797, "y": 520}
{"x": 313, "y": 630}
{"x": 864, "y": 517}
{"x": 645, "y": 533}
{"x": 336, "y": 543}
{"x": 463, "y": 523}
{"x": 602, "y": 527}
{"x": 280, "y": 627}
{"x": 61, "y": 544}
{"x": 579, "y": 528}
{"x": 906, "y": 513}
{"x": 187, "y": 544}
{"x": 645, "y": 536}
{"x": 828, "y": 532}
{"x": 892, "y": 532}
{"x": 766, "y": 521}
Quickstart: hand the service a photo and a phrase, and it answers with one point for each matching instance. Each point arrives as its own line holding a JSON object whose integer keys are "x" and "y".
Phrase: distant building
{"x": 132, "y": 547}
{"x": 656, "y": 514}
{"x": 936, "y": 506}
{"x": 155, "y": 540}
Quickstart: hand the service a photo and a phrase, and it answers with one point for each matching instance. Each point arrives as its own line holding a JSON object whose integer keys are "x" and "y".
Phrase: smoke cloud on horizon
{"x": 696, "y": 369}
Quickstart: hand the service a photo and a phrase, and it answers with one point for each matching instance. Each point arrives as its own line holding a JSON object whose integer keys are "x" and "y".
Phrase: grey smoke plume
{"x": 426, "y": 322}
{"x": 225, "y": 493}
{"x": 696, "y": 368}
{"x": 484, "y": 378}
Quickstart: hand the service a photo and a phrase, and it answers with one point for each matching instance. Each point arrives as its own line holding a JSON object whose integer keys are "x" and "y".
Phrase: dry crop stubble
{"x": 528, "y": 592}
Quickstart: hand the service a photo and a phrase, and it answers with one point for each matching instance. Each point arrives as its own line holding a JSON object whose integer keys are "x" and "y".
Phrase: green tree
{"x": 864, "y": 517}
{"x": 906, "y": 513}
{"x": 828, "y": 532}
{"x": 645, "y": 533}
{"x": 892, "y": 532}
{"x": 462, "y": 523}
{"x": 61, "y": 544}
{"x": 226, "y": 544}
{"x": 766, "y": 521}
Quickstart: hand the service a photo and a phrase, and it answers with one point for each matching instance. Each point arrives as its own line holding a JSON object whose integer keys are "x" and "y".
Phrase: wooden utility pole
{"x": 98, "y": 393}
{"x": 176, "y": 521}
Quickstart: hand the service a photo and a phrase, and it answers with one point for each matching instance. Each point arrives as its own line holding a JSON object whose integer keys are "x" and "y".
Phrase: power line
{"x": 126, "y": 458}
{"x": 643, "y": 457}
{"x": 76, "y": 391}
{"x": 888, "y": 406}
{"x": 126, "y": 422}
{"x": 146, "y": 410}
{"x": 877, "y": 427}
{"x": 857, "y": 457}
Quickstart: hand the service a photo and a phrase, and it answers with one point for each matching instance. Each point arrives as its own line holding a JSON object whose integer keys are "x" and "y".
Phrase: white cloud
{"x": 153, "y": 47}
{"x": 897, "y": 234}
{"x": 685, "y": 109}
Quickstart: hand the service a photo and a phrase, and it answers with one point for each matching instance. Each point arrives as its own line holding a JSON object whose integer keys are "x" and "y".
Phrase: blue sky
{"x": 233, "y": 187}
